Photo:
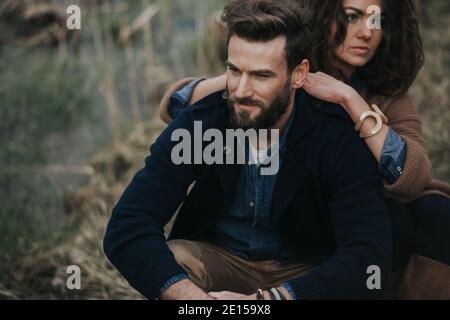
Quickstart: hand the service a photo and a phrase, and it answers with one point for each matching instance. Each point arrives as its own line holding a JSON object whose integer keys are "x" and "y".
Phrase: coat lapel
{"x": 228, "y": 173}
{"x": 293, "y": 173}
{"x": 291, "y": 178}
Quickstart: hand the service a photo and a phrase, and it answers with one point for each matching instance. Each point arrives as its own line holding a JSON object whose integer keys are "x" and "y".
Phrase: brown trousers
{"x": 214, "y": 269}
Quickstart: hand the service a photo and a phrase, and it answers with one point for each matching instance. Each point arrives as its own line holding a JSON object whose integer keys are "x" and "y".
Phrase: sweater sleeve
{"x": 416, "y": 174}
{"x": 134, "y": 241}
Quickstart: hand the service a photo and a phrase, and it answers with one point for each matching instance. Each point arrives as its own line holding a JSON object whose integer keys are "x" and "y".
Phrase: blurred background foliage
{"x": 78, "y": 110}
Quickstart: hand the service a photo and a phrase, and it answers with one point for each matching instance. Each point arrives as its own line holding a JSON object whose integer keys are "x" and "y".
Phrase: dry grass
{"x": 431, "y": 93}
{"x": 42, "y": 275}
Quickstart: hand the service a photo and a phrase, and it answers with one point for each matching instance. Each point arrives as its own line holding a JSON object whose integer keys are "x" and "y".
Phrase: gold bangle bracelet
{"x": 380, "y": 113}
{"x": 372, "y": 132}
{"x": 364, "y": 116}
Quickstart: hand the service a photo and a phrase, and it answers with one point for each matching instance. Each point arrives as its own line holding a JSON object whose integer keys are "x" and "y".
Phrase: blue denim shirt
{"x": 393, "y": 156}
{"x": 179, "y": 100}
{"x": 248, "y": 229}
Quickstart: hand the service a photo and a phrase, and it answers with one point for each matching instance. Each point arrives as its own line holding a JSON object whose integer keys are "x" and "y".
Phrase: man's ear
{"x": 299, "y": 74}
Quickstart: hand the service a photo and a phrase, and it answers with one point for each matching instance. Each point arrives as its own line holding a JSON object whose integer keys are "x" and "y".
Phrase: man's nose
{"x": 243, "y": 90}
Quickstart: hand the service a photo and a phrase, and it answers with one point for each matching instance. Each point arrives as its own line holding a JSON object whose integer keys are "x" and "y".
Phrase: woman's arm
{"x": 327, "y": 88}
{"x": 190, "y": 90}
{"x": 165, "y": 103}
{"x": 417, "y": 170}
{"x": 404, "y": 121}
{"x": 205, "y": 88}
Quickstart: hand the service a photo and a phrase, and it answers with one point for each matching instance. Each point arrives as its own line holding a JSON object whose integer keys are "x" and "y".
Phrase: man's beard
{"x": 268, "y": 116}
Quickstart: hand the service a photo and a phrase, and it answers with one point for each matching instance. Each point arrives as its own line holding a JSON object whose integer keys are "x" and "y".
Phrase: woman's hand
{"x": 324, "y": 87}
{"x": 327, "y": 88}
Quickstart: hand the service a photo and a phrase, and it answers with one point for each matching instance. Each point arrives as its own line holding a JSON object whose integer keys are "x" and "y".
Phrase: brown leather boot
{"x": 425, "y": 279}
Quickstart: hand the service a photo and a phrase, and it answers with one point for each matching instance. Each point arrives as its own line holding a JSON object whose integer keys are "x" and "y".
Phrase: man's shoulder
{"x": 332, "y": 114}
{"x": 333, "y": 129}
{"x": 329, "y": 119}
{"x": 211, "y": 111}
{"x": 210, "y": 107}
{"x": 323, "y": 111}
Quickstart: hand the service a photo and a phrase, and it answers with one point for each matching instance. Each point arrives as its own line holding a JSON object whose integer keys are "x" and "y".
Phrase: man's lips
{"x": 246, "y": 106}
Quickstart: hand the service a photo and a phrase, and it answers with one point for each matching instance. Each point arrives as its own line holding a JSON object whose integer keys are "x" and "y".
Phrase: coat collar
{"x": 293, "y": 172}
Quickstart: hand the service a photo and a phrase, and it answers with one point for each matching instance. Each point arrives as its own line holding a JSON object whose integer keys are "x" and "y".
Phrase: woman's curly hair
{"x": 399, "y": 57}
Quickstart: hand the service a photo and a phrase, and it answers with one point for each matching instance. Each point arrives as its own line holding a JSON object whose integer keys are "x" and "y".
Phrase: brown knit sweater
{"x": 416, "y": 179}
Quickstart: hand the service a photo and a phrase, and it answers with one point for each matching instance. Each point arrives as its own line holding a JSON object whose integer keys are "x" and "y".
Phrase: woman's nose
{"x": 365, "y": 31}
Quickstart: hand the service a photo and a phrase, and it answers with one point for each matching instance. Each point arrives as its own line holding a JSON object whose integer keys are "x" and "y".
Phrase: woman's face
{"x": 362, "y": 41}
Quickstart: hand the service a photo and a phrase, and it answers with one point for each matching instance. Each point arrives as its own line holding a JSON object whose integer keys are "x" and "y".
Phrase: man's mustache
{"x": 247, "y": 102}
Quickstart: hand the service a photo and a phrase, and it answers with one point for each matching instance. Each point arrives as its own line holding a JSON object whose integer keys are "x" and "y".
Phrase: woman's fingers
{"x": 324, "y": 87}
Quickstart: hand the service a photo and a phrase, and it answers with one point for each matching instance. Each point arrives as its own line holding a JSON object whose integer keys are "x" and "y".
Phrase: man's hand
{"x": 227, "y": 295}
{"x": 185, "y": 290}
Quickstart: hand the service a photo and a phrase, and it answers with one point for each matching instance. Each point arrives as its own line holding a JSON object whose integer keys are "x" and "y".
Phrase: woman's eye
{"x": 352, "y": 18}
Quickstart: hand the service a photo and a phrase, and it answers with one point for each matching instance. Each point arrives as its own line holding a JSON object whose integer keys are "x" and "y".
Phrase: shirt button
{"x": 252, "y": 204}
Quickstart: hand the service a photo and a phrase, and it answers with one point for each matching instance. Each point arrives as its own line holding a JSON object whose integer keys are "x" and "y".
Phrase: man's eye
{"x": 234, "y": 71}
{"x": 263, "y": 76}
{"x": 352, "y": 18}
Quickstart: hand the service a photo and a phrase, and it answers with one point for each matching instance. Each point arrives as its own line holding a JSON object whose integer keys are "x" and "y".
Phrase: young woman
{"x": 361, "y": 66}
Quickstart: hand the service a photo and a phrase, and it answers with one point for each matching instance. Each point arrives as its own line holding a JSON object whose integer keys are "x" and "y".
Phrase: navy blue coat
{"x": 328, "y": 201}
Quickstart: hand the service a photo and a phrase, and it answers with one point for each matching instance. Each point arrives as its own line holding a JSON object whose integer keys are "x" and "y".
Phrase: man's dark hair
{"x": 264, "y": 20}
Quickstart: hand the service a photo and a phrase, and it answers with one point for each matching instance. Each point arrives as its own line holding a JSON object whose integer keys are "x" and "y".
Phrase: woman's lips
{"x": 360, "y": 50}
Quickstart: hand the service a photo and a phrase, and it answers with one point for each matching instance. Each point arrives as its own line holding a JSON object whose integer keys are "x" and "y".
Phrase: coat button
{"x": 252, "y": 204}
